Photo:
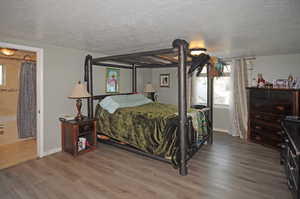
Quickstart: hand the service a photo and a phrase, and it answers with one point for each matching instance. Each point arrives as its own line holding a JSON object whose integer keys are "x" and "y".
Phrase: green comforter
{"x": 144, "y": 127}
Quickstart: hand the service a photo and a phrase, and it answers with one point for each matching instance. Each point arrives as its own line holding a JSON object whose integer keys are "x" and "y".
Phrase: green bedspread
{"x": 145, "y": 127}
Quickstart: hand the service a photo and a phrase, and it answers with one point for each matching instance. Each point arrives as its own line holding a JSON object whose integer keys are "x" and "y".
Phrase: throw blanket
{"x": 199, "y": 121}
{"x": 151, "y": 127}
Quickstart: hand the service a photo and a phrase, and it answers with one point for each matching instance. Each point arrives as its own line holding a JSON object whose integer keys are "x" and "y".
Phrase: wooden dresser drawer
{"x": 264, "y": 138}
{"x": 282, "y": 108}
{"x": 265, "y": 125}
{"x": 261, "y": 105}
{"x": 267, "y": 117}
{"x": 281, "y": 96}
{"x": 259, "y": 94}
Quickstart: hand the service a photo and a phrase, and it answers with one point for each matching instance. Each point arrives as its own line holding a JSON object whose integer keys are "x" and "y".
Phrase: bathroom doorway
{"x": 19, "y": 106}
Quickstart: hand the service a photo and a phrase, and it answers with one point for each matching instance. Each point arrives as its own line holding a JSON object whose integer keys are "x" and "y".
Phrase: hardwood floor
{"x": 15, "y": 153}
{"x": 229, "y": 169}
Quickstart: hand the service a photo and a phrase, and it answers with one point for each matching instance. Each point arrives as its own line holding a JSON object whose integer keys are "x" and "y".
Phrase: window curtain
{"x": 238, "y": 104}
{"x": 26, "y": 112}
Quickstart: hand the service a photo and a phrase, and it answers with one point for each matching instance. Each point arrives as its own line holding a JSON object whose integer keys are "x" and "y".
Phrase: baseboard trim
{"x": 221, "y": 130}
{"x": 51, "y": 151}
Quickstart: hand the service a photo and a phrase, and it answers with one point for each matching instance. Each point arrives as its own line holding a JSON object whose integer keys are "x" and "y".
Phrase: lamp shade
{"x": 79, "y": 91}
{"x": 149, "y": 88}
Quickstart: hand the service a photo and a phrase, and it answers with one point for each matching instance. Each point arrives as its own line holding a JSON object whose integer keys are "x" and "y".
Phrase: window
{"x": 221, "y": 88}
{"x": 2, "y": 75}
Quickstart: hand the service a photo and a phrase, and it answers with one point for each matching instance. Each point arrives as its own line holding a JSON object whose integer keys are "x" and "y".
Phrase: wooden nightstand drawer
{"x": 84, "y": 128}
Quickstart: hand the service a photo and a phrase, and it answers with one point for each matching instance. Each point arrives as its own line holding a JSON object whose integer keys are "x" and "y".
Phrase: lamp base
{"x": 79, "y": 117}
{"x": 78, "y": 106}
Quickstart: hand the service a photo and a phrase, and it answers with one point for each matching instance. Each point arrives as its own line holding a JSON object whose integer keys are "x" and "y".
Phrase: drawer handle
{"x": 281, "y": 108}
{"x": 293, "y": 155}
{"x": 279, "y": 133}
{"x": 258, "y": 127}
{"x": 86, "y": 128}
{"x": 291, "y": 168}
{"x": 258, "y": 138}
{"x": 289, "y": 184}
{"x": 286, "y": 140}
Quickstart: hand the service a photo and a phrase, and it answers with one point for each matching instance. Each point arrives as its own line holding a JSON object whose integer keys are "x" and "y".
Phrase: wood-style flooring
{"x": 15, "y": 153}
{"x": 230, "y": 169}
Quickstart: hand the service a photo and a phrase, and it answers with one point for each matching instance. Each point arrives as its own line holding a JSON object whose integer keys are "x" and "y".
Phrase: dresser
{"x": 267, "y": 107}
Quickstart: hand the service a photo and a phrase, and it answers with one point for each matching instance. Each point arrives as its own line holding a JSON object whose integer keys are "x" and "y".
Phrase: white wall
{"x": 63, "y": 67}
{"x": 277, "y": 66}
{"x": 221, "y": 119}
{"x": 99, "y": 79}
{"x": 166, "y": 95}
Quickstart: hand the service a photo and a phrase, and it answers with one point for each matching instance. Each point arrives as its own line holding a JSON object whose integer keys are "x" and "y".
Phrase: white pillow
{"x": 112, "y": 103}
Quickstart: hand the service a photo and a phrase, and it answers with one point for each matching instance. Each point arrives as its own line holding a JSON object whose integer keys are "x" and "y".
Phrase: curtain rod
{"x": 230, "y": 58}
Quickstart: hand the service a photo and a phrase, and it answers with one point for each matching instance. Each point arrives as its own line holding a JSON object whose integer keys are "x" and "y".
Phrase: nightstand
{"x": 78, "y": 136}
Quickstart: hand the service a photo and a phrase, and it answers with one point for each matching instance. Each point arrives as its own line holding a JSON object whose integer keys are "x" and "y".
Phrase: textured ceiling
{"x": 228, "y": 28}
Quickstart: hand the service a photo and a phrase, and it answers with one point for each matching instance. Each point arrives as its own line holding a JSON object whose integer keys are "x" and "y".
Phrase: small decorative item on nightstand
{"x": 78, "y": 136}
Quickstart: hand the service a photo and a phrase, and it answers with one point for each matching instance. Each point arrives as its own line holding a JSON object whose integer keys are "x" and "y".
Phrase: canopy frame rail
{"x": 154, "y": 59}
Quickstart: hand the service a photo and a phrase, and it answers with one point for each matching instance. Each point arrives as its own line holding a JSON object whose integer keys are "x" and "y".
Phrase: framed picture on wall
{"x": 164, "y": 80}
{"x": 112, "y": 80}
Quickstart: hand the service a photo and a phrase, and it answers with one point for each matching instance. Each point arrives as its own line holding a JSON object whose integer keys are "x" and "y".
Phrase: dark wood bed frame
{"x": 157, "y": 59}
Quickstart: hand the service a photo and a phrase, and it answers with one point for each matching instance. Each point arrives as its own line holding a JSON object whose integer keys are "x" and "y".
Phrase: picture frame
{"x": 164, "y": 80}
{"x": 112, "y": 80}
{"x": 280, "y": 83}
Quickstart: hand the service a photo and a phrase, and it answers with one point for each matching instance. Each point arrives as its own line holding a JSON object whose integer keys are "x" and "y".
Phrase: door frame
{"x": 40, "y": 91}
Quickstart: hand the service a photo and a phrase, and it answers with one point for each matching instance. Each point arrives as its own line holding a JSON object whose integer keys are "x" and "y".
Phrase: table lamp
{"x": 79, "y": 92}
{"x": 149, "y": 90}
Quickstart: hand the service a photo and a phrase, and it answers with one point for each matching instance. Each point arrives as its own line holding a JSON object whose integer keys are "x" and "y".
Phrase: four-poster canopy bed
{"x": 187, "y": 141}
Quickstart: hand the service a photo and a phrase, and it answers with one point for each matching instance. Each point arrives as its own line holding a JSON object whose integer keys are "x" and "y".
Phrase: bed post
{"x": 210, "y": 91}
{"x": 182, "y": 46}
{"x": 133, "y": 78}
{"x": 88, "y": 77}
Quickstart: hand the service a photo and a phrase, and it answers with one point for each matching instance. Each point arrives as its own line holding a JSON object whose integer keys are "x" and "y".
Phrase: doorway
{"x": 16, "y": 144}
